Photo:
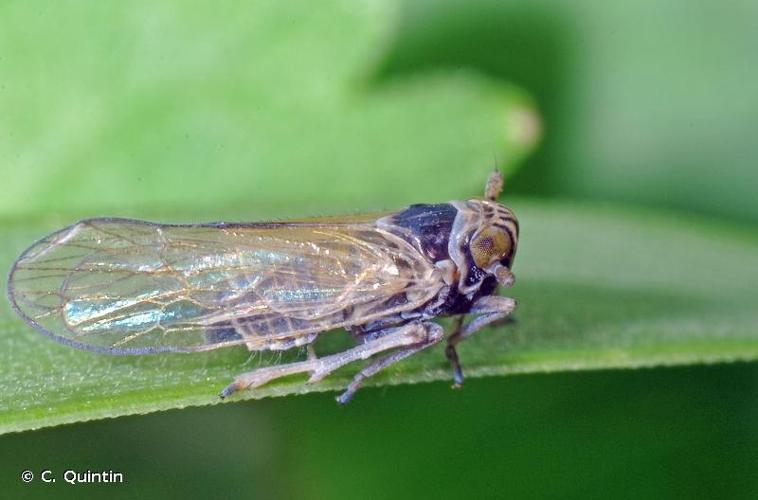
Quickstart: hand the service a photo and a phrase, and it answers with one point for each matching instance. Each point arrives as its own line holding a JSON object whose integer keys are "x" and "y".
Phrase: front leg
{"x": 490, "y": 309}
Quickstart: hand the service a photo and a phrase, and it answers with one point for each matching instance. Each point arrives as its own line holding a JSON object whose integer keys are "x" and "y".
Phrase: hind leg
{"x": 434, "y": 335}
{"x": 409, "y": 335}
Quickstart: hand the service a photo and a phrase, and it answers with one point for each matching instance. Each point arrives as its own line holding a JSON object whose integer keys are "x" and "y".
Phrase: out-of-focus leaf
{"x": 649, "y": 102}
{"x": 171, "y": 105}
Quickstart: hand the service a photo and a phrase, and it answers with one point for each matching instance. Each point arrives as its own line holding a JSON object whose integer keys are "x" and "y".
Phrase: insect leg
{"x": 490, "y": 308}
{"x": 433, "y": 333}
{"x": 452, "y": 354}
{"x": 371, "y": 331}
{"x": 403, "y": 336}
{"x": 311, "y": 352}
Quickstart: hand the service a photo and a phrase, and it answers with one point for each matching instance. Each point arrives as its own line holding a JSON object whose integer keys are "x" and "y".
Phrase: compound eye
{"x": 489, "y": 245}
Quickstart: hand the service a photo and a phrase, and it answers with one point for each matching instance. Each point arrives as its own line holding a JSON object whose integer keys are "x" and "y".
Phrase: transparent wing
{"x": 130, "y": 287}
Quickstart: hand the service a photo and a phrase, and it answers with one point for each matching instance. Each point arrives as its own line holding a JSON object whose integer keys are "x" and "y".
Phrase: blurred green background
{"x": 290, "y": 108}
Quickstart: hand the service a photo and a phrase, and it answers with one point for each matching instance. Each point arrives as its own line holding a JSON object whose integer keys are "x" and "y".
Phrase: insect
{"x": 122, "y": 286}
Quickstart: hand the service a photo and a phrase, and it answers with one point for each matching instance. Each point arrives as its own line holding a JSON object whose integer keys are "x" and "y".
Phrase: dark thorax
{"x": 443, "y": 234}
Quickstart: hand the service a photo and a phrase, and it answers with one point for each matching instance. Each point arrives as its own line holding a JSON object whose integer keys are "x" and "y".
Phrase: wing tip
{"x": 12, "y": 296}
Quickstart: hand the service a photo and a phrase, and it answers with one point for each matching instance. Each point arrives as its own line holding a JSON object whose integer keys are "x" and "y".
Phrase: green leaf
{"x": 598, "y": 287}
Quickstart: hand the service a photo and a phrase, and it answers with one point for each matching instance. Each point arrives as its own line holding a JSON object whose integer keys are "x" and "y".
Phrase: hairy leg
{"x": 434, "y": 334}
{"x": 410, "y": 335}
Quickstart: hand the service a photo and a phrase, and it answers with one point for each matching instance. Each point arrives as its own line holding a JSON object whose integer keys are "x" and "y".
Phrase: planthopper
{"x": 121, "y": 286}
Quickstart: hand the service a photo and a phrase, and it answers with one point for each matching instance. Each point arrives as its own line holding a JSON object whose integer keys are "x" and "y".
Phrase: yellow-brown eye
{"x": 489, "y": 245}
